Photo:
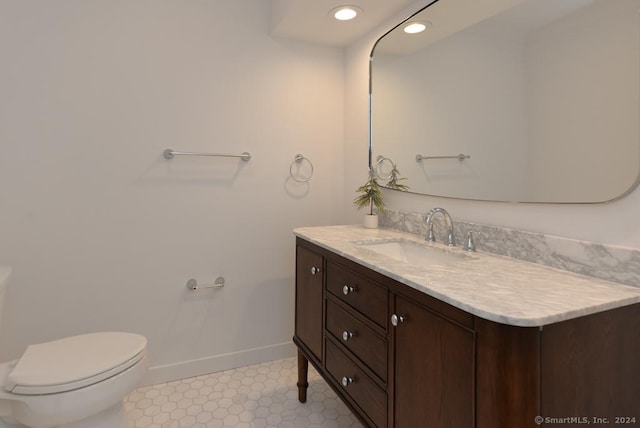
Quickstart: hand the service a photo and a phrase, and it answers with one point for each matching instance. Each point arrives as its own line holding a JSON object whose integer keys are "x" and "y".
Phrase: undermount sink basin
{"x": 415, "y": 253}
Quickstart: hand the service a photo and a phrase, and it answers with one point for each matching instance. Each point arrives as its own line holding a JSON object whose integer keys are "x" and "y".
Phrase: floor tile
{"x": 258, "y": 396}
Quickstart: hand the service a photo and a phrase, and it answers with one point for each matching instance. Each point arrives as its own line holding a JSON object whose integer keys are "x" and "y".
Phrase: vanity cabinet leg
{"x": 303, "y": 370}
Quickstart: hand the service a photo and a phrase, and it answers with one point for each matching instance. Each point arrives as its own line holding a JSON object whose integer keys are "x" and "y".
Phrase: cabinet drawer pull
{"x": 346, "y": 335}
{"x": 346, "y": 381}
{"x": 347, "y": 289}
{"x": 396, "y": 320}
{"x": 315, "y": 270}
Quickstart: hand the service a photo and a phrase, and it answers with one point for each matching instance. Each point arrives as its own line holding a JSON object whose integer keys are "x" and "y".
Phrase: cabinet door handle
{"x": 346, "y": 381}
{"x": 396, "y": 320}
{"x": 346, "y": 335}
{"x": 315, "y": 270}
{"x": 347, "y": 289}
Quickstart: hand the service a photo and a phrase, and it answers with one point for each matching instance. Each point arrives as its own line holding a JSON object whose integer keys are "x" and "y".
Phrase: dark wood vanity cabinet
{"x": 402, "y": 359}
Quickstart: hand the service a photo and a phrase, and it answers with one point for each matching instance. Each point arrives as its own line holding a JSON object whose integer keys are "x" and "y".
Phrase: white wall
{"x": 613, "y": 223}
{"x": 102, "y": 231}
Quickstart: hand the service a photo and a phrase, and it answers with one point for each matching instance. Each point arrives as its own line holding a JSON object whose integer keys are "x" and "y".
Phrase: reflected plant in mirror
{"x": 393, "y": 175}
{"x": 511, "y": 100}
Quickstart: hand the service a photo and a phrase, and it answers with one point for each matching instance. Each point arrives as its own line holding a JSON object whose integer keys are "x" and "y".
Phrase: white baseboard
{"x": 216, "y": 363}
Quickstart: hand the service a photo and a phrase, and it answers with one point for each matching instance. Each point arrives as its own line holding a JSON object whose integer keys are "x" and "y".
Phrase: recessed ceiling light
{"x": 417, "y": 27}
{"x": 345, "y": 13}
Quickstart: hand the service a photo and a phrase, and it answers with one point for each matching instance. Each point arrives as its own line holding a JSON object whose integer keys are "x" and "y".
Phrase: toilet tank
{"x": 5, "y": 273}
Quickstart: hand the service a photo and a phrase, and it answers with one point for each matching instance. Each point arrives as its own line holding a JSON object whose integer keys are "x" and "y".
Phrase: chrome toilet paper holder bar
{"x": 192, "y": 284}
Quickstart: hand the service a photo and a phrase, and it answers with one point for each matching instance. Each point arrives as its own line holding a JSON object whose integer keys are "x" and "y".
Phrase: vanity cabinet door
{"x": 433, "y": 369}
{"x": 309, "y": 299}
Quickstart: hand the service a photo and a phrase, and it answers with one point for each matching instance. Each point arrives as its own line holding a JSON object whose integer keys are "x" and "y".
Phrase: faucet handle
{"x": 469, "y": 245}
{"x": 450, "y": 240}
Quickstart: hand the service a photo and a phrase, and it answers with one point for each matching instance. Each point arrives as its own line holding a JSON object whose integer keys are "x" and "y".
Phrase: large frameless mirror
{"x": 511, "y": 100}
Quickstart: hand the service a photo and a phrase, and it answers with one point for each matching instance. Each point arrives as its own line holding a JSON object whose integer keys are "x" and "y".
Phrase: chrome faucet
{"x": 429, "y": 220}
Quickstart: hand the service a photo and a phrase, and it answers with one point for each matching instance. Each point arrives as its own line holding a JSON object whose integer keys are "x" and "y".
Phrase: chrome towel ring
{"x": 297, "y": 160}
{"x": 380, "y": 159}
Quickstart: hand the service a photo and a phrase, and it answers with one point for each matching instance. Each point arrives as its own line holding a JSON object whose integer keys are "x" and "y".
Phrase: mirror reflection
{"x": 511, "y": 100}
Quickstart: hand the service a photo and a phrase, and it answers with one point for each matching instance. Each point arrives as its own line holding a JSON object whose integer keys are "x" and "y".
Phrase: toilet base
{"x": 113, "y": 417}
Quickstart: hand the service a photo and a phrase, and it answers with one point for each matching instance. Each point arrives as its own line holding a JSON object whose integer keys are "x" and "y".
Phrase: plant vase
{"x": 371, "y": 221}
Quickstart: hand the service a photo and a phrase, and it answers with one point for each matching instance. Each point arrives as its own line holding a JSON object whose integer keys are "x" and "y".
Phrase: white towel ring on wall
{"x": 297, "y": 160}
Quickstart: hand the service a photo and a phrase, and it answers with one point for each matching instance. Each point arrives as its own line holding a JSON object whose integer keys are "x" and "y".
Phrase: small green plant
{"x": 394, "y": 177}
{"x": 369, "y": 194}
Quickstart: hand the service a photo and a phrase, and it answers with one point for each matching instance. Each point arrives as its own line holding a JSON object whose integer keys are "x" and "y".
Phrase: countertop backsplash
{"x": 606, "y": 262}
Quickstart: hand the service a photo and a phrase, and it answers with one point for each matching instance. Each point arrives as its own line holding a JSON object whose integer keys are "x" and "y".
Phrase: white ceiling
{"x": 310, "y": 21}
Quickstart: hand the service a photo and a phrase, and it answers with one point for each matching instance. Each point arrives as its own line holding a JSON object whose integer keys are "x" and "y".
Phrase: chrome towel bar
{"x": 460, "y": 157}
{"x": 192, "y": 284}
{"x": 170, "y": 153}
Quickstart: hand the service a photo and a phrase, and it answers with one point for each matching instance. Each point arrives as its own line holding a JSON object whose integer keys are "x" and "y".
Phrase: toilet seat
{"x": 74, "y": 362}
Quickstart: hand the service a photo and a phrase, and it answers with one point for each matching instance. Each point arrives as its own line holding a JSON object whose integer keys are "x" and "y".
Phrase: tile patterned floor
{"x": 258, "y": 396}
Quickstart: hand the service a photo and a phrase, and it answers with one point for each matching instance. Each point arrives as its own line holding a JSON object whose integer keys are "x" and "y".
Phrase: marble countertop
{"x": 496, "y": 288}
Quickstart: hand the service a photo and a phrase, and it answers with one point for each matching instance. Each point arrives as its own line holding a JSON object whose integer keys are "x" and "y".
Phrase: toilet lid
{"x": 74, "y": 362}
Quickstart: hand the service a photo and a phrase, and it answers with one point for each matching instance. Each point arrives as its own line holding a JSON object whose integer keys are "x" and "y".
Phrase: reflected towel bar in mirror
{"x": 460, "y": 157}
{"x": 170, "y": 153}
{"x": 193, "y": 285}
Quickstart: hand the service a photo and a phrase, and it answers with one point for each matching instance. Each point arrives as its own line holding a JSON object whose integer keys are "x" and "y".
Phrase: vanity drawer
{"x": 364, "y": 391}
{"x": 368, "y": 298}
{"x": 358, "y": 338}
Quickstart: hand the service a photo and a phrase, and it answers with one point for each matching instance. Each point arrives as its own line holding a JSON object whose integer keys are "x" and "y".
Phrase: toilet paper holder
{"x": 192, "y": 284}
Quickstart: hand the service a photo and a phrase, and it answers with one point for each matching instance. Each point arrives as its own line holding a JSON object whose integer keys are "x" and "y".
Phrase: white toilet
{"x": 76, "y": 382}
